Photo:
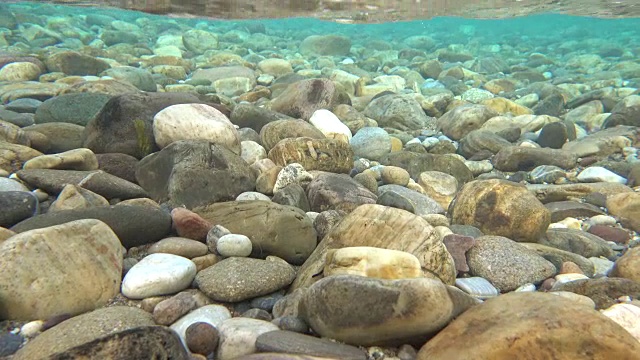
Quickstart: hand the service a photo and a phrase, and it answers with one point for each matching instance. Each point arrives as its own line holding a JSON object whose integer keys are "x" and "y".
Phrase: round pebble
{"x": 202, "y": 338}
{"x": 234, "y": 245}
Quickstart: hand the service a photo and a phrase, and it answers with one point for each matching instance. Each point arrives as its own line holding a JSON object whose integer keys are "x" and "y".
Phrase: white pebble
{"x": 600, "y": 174}
{"x": 158, "y": 274}
{"x": 234, "y": 245}
{"x": 601, "y": 220}
{"x": 31, "y": 328}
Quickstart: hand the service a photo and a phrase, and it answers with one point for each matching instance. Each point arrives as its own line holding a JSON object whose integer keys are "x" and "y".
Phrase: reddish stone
{"x": 458, "y": 245}
{"x": 189, "y": 224}
{"x": 609, "y": 233}
{"x": 569, "y": 267}
{"x": 547, "y": 284}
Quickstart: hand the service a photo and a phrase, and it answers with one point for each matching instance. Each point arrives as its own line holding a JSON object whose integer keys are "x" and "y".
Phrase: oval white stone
{"x": 329, "y": 124}
{"x": 234, "y": 245}
{"x": 158, "y": 274}
{"x": 195, "y": 121}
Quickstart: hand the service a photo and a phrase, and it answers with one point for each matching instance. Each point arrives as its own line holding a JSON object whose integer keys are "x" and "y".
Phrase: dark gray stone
{"x": 120, "y": 165}
{"x": 24, "y": 105}
{"x": 564, "y": 209}
{"x": 18, "y": 119}
{"x": 254, "y": 117}
{"x": 330, "y": 191}
{"x": 578, "y": 242}
{"x": 76, "y": 109}
{"x": 194, "y": 173}
{"x": 98, "y": 181}
{"x": 16, "y": 206}
{"x": 553, "y": 135}
{"x": 60, "y": 136}
{"x": 516, "y": 158}
{"x": 134, "y": 225}
{"x": 292, "y": 195}
{"x": 9, "y": 344}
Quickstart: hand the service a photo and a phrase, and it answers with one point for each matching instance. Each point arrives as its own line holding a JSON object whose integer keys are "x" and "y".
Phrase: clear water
{"x": 544, "y": 33}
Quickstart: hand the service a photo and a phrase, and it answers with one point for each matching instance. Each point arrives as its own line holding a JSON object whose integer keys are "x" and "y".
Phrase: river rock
{"x": 125, "y": 123}
{"x": 333, "y": 45}
{"x": 499, "y": 207}
{"x": 180, "y": 173}
{"x": 371, "y": 143}
{"x": 481, "y": 140}
{"x": 372, "y": 262}
{"x": 515, "y": 158}
{"x": 158, "y": 274}
{"x": 364, "y": 311}
{"x": 458, "y": 122}
{"x": 604, "y": 142}
{"x": 69, "y": 251}
{"x": 387, "y": 228}
{"x": 74, "y": 63}
{"x": 13, "y": 156}
{"x": 76, "y": 109}
{"x": 75, "y": 197}
{"x": 398, "y": 112}
{"x": 179, "y": 246}
{"x": 329, "y": 124}
{"x": 550, "y": 192}
{"x": 407, "y": 199}
{"x": 238, "y": 337}
{"x": 84, "y": 329}
{"x": 563, "y": 209}
{"x": 277, "y": 130}
{"x": 301, "y": 99}
{"x": 236, "y": 279}
{"x": 17, "y": 206}
{"x": 134, "y": 225}
{"x": 314, "y": 154}
{"x": 293, "y": 343}
{"x": 507, "y": 264}
{"x": 58, "y": 137}
{"x": 626, "y": 112}
{"x": 626, "y": 206}
{"x": 416, "y": 164}
{"x": 578, "y": 242}
{"x": 531, "y": 318}
{"x": 558, "y": 257}
{"x": 194, "y": 121}
{"x": 274, "y": 229}
{"x": 254, "y": 117}
{"x": 604, "y": 291}
{"x": 628, "y": 265}
{"x": 213, "y": 315}
{"x": 77, "y": 159}
{"x": 330, "y": 191}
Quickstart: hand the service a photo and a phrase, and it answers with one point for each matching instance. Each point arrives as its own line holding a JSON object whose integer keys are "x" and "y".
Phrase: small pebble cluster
{"x": 194, "y": 189}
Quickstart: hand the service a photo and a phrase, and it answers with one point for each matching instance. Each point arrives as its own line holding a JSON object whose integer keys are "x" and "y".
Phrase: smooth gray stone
{"x": 98, "y": 181}
{"x": 16, "y": 206}
{"x": 134, "y": 225}
{"x": 281, "y": 341}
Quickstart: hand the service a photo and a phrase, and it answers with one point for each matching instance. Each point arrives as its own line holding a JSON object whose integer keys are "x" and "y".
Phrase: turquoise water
{"x": 543, "y": 32}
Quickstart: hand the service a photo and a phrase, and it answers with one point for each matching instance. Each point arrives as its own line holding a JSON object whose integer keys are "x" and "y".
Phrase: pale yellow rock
{"x": 372, "y": 262}
{"x": 580, "y": 299}
{"x": 571, "y": 223}
{"x": 5, "y": 234}
{"x": 203, "y": 262}
{"x": 64, "y": 269}
{"x": 396, "y": 144}
{"x": 140, "y": 202}
{"x": 76, "y": 159}
{"x": 395, "y": 175}
{"x": 439, "y": 186}
{"x": 504, "y": 106}
{"x": 19, "y": 71}
{"x": 13, "y": 156}
{"x": 275, "y": 67}
{"x": 627, "y": 316}
{"x": 76, "y": 197}
{"x": 382, "y": 227}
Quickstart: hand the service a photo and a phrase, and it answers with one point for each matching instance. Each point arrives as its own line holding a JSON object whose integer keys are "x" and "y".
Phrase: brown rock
{"x": 387, "y": 228}
{"x": 561, "y": 210}
{"x": 365, "y": 311}
{"x": 499, "y": 207}
{"x": 168, "y": 311}
{"x": 627, "y": 206}
{"x": 301, "y": 99}
{"x": 547, "y": 193}
{"x": 458, "y": 245}
{"x": 340, "y": 192}
{"x": 459, "y": 121}
{"x": 516, "y": 158}
{"x": 13, "y": 156}
{"x": 84, "y": 329}
{"x": 558, "y": 257}
{"x": 628, "y": 266}
{"x": 569, "y": 267}
{"x": 314, "y": 154}
{"x": 604, "y": 291}
{"x": 189, "y": 224}
{"x": 140, "y": 342}
{"x": 610, "y": 233}
{"x": 532, "y": 326}
{"x": 202, "y": 338}
{"x": 275, "y": 131}
{"x": 578, "y": 242}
